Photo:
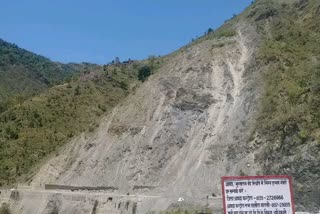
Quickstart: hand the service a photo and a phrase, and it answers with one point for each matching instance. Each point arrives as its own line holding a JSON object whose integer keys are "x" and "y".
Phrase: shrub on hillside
{"x": 144, "y": 73}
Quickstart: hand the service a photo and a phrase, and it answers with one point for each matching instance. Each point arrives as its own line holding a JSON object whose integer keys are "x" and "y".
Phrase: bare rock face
{"x": 182, "y": 130}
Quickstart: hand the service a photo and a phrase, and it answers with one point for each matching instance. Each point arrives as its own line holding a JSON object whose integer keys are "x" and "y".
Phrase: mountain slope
{"x": 174, "y": 133}
{"x": 23, "y": 74}
{"x": 239, "y": 101}
{"x": 39, "y": 126}
{"x": 289, "y": 120}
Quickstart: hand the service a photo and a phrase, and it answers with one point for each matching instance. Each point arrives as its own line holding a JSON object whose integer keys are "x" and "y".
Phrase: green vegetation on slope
{"x": 293, "y": 83}
{"x": 29, "y": 132}
{"x": 24, "y": 74}
{"x": 290, "y": 117}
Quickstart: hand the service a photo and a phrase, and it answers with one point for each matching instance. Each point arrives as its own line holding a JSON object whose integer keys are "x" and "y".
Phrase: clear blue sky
{"x": 98, "y": 30}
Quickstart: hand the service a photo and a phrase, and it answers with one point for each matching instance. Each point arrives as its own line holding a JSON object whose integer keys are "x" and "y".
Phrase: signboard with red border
{"x": 258, "y": 195}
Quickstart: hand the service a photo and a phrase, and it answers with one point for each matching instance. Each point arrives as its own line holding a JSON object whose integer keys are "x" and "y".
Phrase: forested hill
{"x": 23, "y": 74}
{"x": 40, "y": 125}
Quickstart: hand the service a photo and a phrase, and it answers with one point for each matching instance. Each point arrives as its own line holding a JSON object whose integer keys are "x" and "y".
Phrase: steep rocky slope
{"x": 179, "y": 133}
{"x": 215, "y": 108}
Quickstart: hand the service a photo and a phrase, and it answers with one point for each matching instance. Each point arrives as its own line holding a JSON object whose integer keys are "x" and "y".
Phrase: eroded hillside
{"x": 239, "y": 101}
{"x": 179, "y": 133}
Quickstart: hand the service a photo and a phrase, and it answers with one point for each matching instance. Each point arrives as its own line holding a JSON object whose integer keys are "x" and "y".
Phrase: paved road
{"x": 101, "y": 193}
{"x": 82, "y": 193}
{"x": 103, "y": 196}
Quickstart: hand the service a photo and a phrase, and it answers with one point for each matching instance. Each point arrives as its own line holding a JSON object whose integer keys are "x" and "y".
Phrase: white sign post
{"x": 257, "y": 195}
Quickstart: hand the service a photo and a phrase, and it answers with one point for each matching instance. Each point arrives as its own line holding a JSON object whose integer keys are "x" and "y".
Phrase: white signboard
{"x": 257, "y": 195}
